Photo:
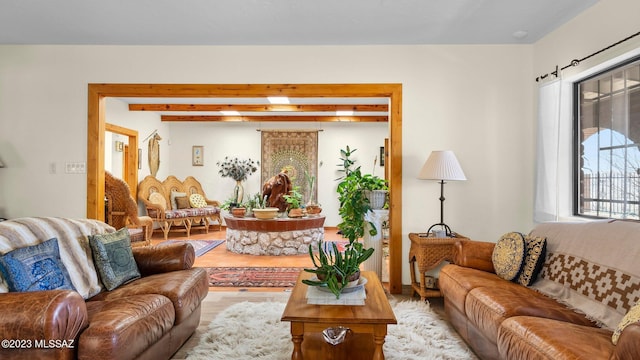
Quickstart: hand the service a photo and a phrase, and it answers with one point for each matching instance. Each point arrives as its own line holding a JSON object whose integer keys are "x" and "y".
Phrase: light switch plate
{"x": 75, "y": 167}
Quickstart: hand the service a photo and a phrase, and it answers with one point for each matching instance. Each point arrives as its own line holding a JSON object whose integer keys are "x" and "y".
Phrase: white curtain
{"x": 553, "y": 152}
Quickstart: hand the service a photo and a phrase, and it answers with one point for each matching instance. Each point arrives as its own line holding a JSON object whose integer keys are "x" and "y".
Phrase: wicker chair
{"x": 184, "y": 219}
{"x": 122, "y": 211}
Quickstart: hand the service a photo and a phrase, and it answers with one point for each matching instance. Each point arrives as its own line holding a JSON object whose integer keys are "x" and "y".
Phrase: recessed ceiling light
{"x": 230, "y": 113}
{"x": 278, "y": 99}
{"x": 344, "y": 112}
{"x": 520, "y": 34}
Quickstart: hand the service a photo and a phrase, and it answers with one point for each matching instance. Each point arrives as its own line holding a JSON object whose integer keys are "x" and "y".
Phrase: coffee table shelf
{"x": 368, "y": 323}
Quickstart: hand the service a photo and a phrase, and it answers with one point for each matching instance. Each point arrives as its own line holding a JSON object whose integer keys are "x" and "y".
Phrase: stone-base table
{"x": 280, "y": 236}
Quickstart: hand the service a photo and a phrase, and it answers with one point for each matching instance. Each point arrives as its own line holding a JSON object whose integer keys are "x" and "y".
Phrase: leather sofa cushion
{"x": 456, "y": 282}
{"x": 113, "y": 323}
{"x": 184, "y": 288}
{"x": 488, "y": 307}
{"x": 524, "y": 337}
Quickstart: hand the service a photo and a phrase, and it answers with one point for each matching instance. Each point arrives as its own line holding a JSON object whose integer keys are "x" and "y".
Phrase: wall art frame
{"x": 197, "y": 155}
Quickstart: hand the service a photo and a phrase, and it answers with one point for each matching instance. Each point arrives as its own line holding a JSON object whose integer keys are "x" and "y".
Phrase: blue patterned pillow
{"x": 113, "y": 258}
{"x": 35, "y": 268}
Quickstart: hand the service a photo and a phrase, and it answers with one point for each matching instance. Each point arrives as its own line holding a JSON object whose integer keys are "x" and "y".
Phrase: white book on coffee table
{"x": 317, "y": 296}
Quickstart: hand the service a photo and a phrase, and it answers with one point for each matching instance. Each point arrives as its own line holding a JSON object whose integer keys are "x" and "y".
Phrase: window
{"x": 607, "y": 144}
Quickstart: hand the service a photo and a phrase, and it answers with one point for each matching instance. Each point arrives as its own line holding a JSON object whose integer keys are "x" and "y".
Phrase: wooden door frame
{"x": 97, "y": 94}
{"x": 130, "y": 158}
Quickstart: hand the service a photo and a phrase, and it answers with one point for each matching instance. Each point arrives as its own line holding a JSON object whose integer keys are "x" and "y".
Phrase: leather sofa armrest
{"x": 474, "y": 254}
{"x": 164, "y": 258}
{"x": 42, "y": 315}
{"x": 627, "y": 347}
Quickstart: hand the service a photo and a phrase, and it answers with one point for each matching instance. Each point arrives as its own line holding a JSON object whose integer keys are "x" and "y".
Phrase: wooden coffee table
{"x": 368, "y": 323}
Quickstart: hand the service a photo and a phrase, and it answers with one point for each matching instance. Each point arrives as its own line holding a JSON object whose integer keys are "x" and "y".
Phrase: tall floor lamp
{"x": 442, "y": 166}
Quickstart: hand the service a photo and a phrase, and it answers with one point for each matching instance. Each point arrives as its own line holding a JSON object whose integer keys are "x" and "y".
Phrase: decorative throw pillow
{"x": 631, "y": 317}
{"x": 197, "y": 201}
{"x": 34, "y": 268}
{"x": 508, "y": 255}
{"x": 183, "y": 202}
{"x": 113, "y": 258}
{"x": 157, "y": 199}
{"x": 174, "y": 195}
{"x": 534, "y": 259}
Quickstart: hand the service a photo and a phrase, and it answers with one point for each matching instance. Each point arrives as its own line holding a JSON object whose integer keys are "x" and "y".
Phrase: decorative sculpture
{"x": 275, "y": 188}
{"x": 154, "y": 154}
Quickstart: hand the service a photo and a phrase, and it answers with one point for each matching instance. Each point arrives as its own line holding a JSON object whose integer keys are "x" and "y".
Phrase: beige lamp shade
{"x": 442, "y": 165}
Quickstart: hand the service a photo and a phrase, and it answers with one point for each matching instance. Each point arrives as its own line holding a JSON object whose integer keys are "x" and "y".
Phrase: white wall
{"x": 475, "y": 100}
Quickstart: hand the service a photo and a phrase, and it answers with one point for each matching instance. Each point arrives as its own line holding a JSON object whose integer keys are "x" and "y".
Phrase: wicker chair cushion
{"x": 197, "y": 201}
{"x": 183, "y": 202}
{"x": 174, "y": 195}
{"x": 157, "y": 199}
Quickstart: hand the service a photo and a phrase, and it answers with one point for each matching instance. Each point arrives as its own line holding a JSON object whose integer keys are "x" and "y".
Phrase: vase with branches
{"x": 239, "y": 170}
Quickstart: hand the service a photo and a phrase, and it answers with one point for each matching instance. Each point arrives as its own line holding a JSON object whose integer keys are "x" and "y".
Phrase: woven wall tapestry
{"x": 296, "y": 150}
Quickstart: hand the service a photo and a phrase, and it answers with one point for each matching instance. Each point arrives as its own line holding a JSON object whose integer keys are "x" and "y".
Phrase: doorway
{"x": 130, "y": 159}
{"x": 97, "y": 94}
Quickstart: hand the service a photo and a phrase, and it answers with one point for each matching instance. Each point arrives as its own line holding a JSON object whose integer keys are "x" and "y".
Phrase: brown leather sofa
{"x": 148, "y": 318}
{"x": 501, "y": 319}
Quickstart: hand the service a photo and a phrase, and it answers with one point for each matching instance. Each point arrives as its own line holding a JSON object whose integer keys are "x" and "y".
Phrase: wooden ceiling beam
{"x": 284, "y": 118}
{"x": 259, "y": 107}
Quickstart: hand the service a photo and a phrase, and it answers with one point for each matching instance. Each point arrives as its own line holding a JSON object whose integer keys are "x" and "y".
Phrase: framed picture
{"x": 197, "y": 156}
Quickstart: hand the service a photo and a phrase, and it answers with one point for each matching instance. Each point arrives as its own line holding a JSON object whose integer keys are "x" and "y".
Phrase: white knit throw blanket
{"x": 592, "y": 267}
{"x": 72, "y": 241}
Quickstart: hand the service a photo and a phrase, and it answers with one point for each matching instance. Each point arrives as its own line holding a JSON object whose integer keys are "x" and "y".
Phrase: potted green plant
{"x": 236, "y": 209}
{"x": 294, "y": 201}
{"x": 375, "y": 190}
{"x": 335, "y": 269}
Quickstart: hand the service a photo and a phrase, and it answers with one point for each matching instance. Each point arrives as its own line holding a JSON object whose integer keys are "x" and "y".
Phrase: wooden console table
{"x": 428, "y": 252}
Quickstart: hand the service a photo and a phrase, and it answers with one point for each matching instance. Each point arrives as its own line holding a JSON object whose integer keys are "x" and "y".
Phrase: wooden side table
{"x": 428, "y": 252}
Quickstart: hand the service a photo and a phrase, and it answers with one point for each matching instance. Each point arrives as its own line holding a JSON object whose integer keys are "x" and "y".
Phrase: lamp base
{"x": 447, "y": 229}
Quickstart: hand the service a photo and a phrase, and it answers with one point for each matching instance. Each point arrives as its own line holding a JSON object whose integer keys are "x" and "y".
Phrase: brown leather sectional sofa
{"x": 147, "y": 318}
{"x": 502, "y": 319}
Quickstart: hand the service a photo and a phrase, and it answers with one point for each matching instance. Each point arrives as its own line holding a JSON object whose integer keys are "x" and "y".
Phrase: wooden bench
{"x": 166, "y": 215}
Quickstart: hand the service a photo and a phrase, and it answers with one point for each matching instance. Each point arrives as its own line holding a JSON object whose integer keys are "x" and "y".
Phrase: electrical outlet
{"x": 52, "y": 168}
{"x": 75, "y": 167}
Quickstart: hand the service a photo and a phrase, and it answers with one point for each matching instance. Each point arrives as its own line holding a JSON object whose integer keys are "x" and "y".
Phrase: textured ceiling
{"x": 282, "y": 22}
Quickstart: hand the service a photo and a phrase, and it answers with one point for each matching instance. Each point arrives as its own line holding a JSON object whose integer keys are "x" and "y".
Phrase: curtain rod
{"x": 576, "y": 62}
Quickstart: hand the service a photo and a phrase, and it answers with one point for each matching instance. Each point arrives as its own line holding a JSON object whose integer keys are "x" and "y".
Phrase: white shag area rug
{"x": 254, "y": 331}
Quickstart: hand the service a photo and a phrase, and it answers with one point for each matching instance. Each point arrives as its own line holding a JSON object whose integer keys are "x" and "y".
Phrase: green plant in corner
{"x": 354, "y": 205}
